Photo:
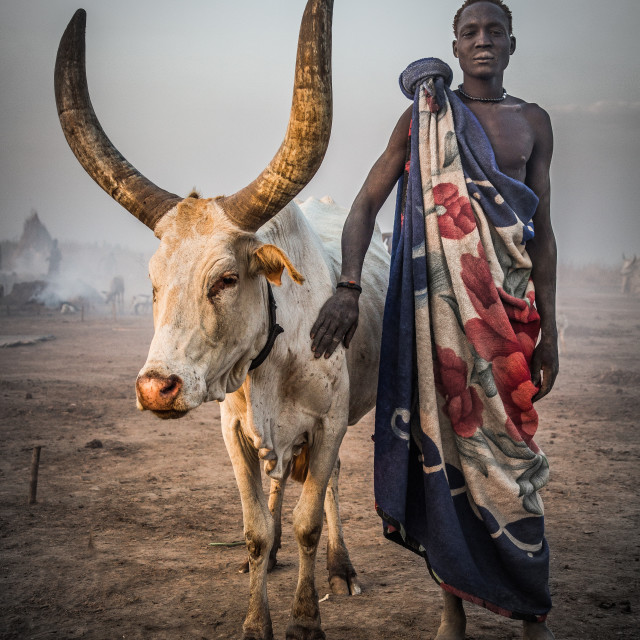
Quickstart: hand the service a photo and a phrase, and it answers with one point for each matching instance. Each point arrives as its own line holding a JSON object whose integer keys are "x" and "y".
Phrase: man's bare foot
{"x": 453, "y": 621}
{"x": 536, "y": 631}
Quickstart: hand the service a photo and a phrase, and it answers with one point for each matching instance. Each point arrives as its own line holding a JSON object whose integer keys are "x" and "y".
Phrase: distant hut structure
{"x": 34, "y": 246}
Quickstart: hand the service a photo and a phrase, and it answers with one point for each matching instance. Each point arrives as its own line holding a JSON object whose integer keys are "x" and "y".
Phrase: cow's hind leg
{"x": 307, "y": 524}
{"x": 342, "y": 575}
{"x": 258, "y": 530}
{"x": 276, "y": 495}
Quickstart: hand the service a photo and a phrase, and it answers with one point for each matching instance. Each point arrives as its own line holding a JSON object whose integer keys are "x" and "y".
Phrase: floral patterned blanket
{"x": 457, "y": 472}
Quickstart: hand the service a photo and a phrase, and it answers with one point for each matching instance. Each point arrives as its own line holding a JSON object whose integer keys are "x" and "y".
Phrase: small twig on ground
{"x": 33, "y": 485}
{"x": 236, "y": 543}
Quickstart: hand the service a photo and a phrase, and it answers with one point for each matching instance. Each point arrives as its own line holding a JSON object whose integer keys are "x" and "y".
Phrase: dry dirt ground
{"x": 119, "y": 542}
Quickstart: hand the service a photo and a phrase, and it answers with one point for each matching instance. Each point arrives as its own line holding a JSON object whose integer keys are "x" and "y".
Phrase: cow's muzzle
{"x": 158, "y": 393}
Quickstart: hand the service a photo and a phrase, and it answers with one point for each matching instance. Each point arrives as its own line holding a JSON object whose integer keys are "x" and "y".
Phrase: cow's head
{"x": 209, "y": 274}
{"x": 210, "y": 307}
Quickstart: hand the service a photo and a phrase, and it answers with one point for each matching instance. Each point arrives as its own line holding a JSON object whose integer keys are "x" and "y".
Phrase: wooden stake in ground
{"x": 33, "y": 485}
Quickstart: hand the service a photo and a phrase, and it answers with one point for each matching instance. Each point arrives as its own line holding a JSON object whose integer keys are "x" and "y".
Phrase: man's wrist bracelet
{"x": 350, "y": 284}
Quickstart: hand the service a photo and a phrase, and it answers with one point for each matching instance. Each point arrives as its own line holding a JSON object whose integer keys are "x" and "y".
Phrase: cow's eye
{"x": 227, "y": 281}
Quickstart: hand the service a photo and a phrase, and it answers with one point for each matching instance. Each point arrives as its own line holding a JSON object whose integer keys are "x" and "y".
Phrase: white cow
{"x": 215, "y": 321}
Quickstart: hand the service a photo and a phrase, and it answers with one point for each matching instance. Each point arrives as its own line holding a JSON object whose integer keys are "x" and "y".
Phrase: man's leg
{"x": 453, "y": 621}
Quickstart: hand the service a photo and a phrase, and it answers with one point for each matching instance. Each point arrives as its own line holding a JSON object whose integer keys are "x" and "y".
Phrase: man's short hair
{"x": 498, "y": 3}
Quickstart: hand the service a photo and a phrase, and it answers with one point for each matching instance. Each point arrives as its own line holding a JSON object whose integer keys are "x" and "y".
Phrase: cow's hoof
{"x": 299, "y": 632}
{"x": 341, "y": 586}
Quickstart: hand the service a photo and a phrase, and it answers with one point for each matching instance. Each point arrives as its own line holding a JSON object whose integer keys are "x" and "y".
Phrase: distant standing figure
{"x": 55, "y": 258}
{"x": 630, "y": 273}
{"x": 115, "y": 294}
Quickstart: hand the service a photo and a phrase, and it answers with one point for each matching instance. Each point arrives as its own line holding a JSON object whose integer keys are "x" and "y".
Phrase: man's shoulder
{"x": 532, "y": 111}
{"x": 537, "y": 119}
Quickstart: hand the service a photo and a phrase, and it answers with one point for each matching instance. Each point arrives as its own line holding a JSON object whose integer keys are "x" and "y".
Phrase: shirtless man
{"x": 522, "y": 140}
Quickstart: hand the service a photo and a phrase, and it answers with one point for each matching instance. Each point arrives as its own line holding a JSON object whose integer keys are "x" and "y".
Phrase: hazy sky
{"x": 197, "y": 93}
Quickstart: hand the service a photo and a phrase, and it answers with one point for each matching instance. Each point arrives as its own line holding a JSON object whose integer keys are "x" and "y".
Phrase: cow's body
{"x": 204, "y": 345}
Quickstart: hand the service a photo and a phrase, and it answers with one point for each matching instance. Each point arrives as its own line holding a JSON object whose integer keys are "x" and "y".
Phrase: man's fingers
{"x": 544, "y": 389}
{"x": 545, "y": 385}
{"x": 318, "y": 336}
{"x": 323, "y": 339}
{"x": 326, "y": 346}
{"x": 335, "y": 341}
{"x": 536, "y": 371}
{"x": 349, "y": 335}
{"x": 316, "y": 326}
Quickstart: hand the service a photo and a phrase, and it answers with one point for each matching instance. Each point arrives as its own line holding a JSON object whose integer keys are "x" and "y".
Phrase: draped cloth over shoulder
{"x": 457, "y": 472}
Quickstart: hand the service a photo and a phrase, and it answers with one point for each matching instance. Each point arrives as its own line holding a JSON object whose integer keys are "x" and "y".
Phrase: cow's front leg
{"x": 307, "y": 523}
{"x": 258, "y": 530}
{"x": 276, "y": 496}
{"x": 342, "y": 575}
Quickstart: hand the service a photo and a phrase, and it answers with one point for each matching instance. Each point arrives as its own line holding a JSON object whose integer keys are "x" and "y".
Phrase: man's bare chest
{"x": 510, "y": 134}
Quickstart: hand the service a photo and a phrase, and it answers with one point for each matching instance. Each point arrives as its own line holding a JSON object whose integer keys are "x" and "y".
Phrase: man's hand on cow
{"x": 544, "y": 366}
{"x": 336, "y": 323}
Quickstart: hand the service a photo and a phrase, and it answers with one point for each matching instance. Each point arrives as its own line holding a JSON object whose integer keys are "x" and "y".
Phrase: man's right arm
{"x": 338, "y": 318}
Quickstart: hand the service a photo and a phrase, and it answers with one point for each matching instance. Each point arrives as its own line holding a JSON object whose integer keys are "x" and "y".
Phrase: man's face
{"x": 484, "y": 45}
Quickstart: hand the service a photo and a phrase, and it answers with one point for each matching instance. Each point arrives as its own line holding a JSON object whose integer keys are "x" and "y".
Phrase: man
{"x": 466, "y": 412}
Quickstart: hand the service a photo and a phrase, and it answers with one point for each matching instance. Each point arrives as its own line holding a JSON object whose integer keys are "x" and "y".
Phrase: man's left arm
{"x": 543, "y": 253}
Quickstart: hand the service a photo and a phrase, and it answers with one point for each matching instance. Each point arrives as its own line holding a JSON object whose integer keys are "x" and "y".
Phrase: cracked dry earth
{"x": 119, "y": 542}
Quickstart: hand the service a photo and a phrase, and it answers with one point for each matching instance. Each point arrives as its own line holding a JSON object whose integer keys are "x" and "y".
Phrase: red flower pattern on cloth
{"x": 432, "y": 103}
{"x": 462, "y": 403}
{"x": 504, "y": 335}
{"x": 524, "y": 319}
{"x": 458, "y": 220}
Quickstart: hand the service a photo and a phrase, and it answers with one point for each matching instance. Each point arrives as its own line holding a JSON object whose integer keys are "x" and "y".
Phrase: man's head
{"x": 484, "y": 42}
{"x": 467, "y": 3}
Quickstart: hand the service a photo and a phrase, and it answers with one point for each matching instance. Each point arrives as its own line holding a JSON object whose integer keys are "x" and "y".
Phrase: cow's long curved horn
{"x": 307, "y": 136}
{"x": 101, "y": 160}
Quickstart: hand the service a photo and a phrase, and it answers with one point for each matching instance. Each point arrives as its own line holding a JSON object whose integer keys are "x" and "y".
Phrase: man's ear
{"x": 271, "y": 261}
{"x": 512, "y": 48}
{"x": 454, "y": 46}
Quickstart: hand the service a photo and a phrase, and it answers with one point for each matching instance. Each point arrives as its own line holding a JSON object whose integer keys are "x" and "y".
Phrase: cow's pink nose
{"x": 156, "y": 392}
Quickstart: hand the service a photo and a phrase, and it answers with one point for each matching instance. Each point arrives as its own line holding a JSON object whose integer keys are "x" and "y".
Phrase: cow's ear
{"x": 271, "y": 261}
